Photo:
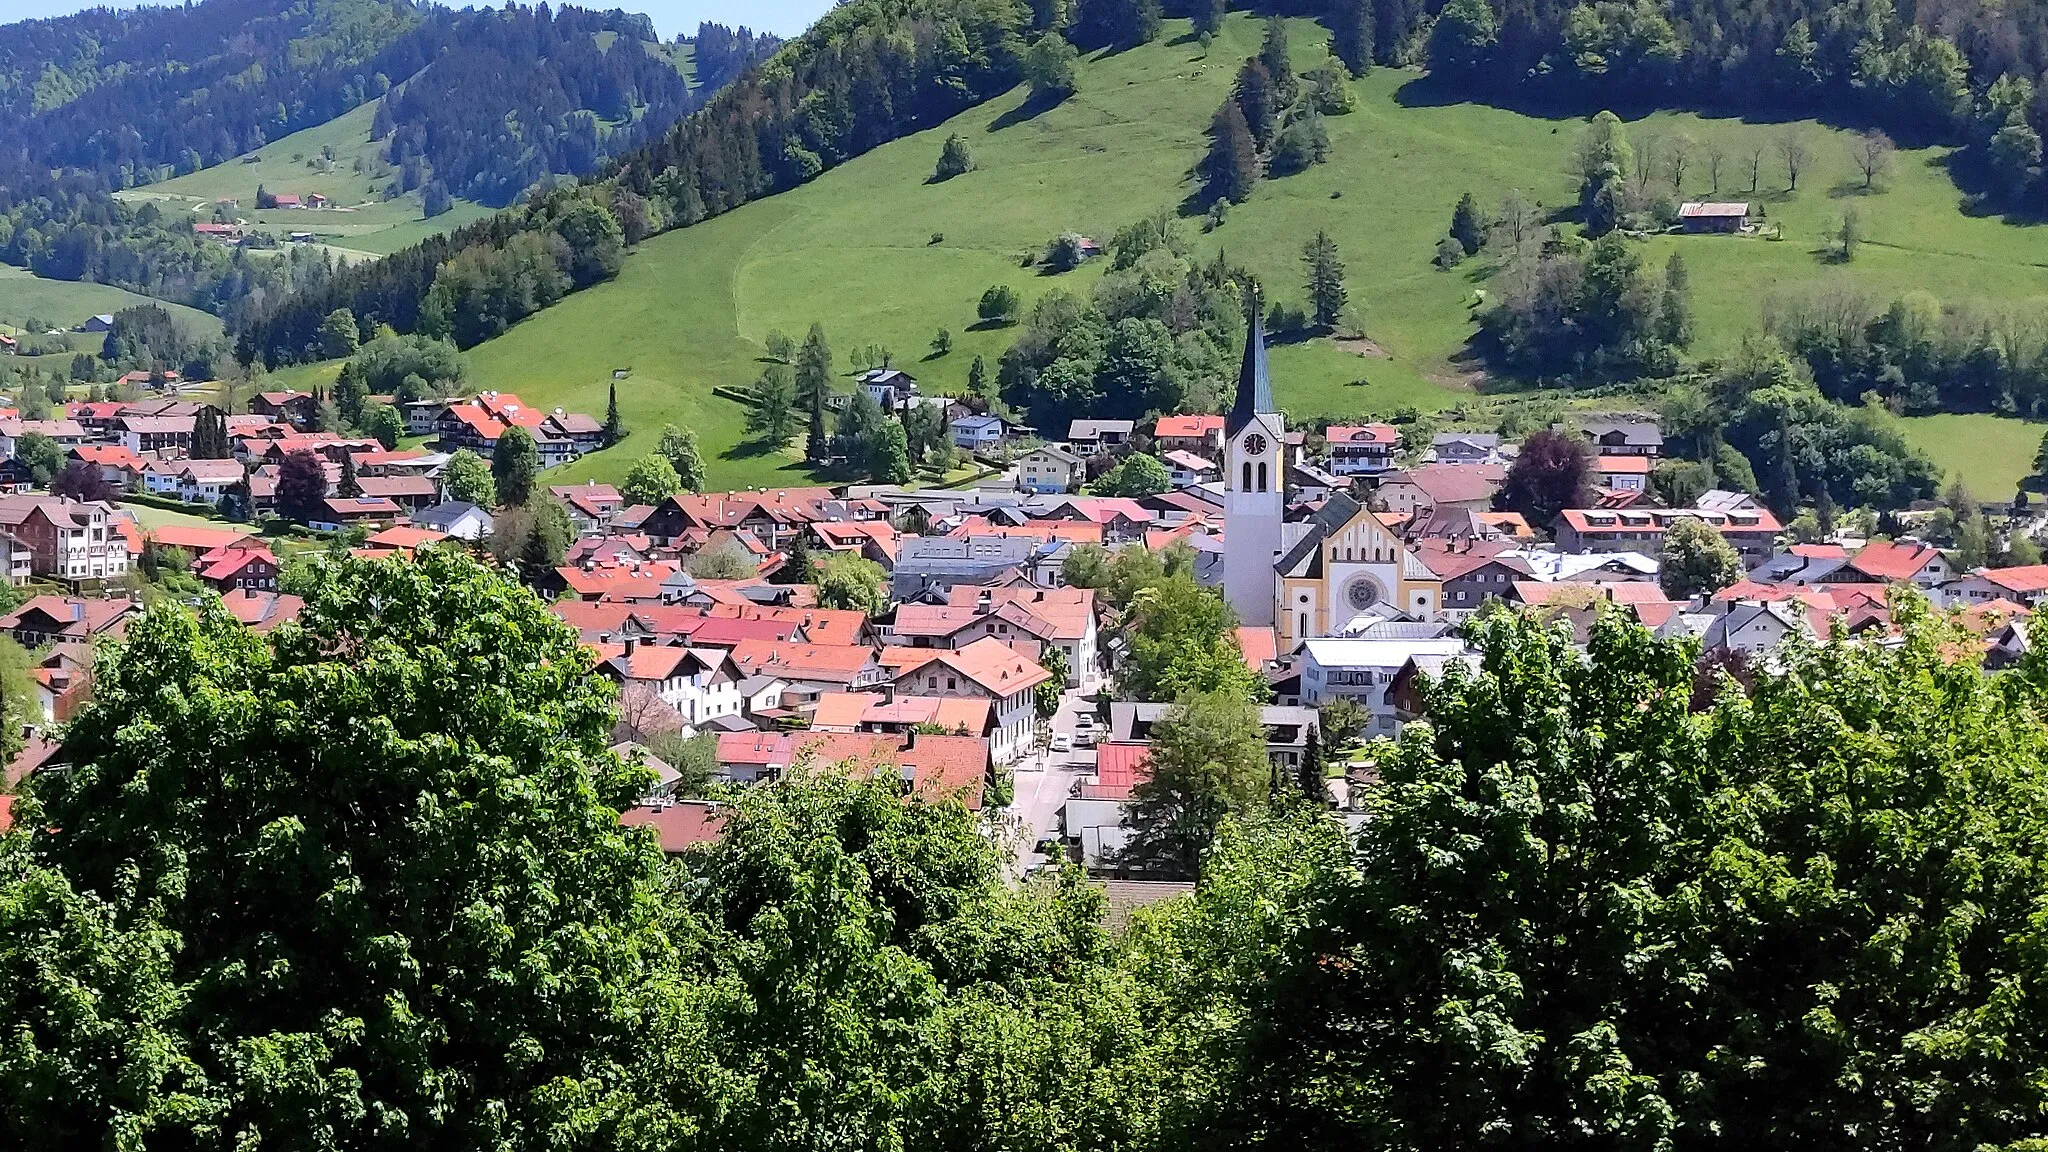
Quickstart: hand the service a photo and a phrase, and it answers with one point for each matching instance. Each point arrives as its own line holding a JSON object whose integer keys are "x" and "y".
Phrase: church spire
{"x": 1254, "y": 383}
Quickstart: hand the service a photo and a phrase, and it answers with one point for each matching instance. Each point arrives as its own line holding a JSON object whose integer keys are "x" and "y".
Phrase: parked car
{"x": 1062, "y": 743}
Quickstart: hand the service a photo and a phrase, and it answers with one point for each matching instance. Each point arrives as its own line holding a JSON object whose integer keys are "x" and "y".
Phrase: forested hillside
{"x": 476, "y": 105}
{"x": 867, "y": 73}
{"x": 135, "y": 96}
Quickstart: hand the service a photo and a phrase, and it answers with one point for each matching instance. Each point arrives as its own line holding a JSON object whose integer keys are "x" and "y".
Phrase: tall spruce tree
{"x": 1273, "y": 57}
{"x": 1232, "y": 167}
{"x": 1326, "y": 292}
{"x": 1259, "y": 100}
{"x": 614, "y": 429}
{"x": 1351, "y": 34}
{"x": 814, "y": 388}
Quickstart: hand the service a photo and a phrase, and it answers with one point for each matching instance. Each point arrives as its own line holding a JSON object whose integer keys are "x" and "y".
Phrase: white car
{"x": 1062, "y": 743}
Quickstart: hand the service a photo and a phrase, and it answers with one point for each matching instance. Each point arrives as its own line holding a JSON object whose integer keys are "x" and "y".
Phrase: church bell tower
{"x": 1255, "y": 486}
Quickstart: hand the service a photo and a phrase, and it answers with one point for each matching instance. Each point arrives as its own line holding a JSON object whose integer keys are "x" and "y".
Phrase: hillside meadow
{"x": 362, "y": 223}
{"x": 883, "y": 257}
{"x": 25, "y": 296}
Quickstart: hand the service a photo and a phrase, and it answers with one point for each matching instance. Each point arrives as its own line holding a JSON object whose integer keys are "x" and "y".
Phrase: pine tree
{"x": 1784, "y": 495}
{"x": 349, "y": 488}
{"x": 1468, "y": 226}
{"x": 614, "y": 430}
{"x": 1258, "y": 100}
{"x": 1351, "y": 34}
{"x": 1674, "y": 318}
{"x": 1273, "y": 57}
{"x": 1232, "y": 168}
{"x": 814, "y": 387}
{"x": 1326, "y": 293}
{"x": 977, "y": 378}
{"x": 1208, "y": 17}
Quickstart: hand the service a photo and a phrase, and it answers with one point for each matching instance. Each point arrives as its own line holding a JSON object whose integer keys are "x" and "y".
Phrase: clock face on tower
{"x": 1255, "y": 445}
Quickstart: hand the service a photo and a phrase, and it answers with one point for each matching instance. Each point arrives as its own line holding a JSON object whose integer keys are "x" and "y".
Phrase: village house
{"x": 1362, "y": 450}
{"x": 67, "y": 433}
{"x": 1439, "y": 488}
{"x": 899, "y": 715}
{"x": 701, "y": 684}
{"x": 1050, "y": 468}
{"x": 206, "y": 481}
{"x": 810, "y": 670}
{"x": 339, "y": 512}
{"x": 145, "y": 434}
{"x": 55, "y": 619}
{"x": 457, "y": 519}
{"x": 1287, "y": 728}
{"x": 411, "y": 493}
{"x": 1622, "y": 473}
{"x": 117, "y": 465}
{"x": 246, "y": 565}
{"x": 1752, "y": 533}
{"x": 17, "y": 560}
{"x": 1466, "y": 448}
{"x": 1623, "y": 437}
{"x": 1186, "y": 470}
{"x": 1698, "y": 217}
{"x": 2026, "y": 585}
{"x": 679, "y": 825}
{"x": 977, "y": 433}
{"x": 1062, "y": 618}
{"x": 1201, "y": 434}
{"x": 285, "y": 407}
{"x": 985, "y": 669}
{"x": 590, "y": 504}
{"x": 1363, "y": 670}
{"x": 70, "y": 540}
{"x": 888, "y": 387}
{"x": 1093, "y": 437}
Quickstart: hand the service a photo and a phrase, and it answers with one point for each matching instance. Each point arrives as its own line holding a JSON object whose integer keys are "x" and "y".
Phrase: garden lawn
{"x": 1989, "y": 454}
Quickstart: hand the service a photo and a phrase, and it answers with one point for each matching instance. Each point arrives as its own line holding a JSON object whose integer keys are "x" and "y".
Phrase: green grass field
{"x": 362, "y": 222}
{"x": 1989, "y": 454}
{"x": 25, "y": 296}
{"x": 882, "y": 257}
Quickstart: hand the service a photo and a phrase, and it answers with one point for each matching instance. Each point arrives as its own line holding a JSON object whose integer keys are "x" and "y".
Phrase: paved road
{"x": 1044, "y": 781}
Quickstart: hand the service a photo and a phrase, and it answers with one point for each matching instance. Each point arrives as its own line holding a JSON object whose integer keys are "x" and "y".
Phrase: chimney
{"x": 632, "y": 642}
{"x": 910, "y": 741}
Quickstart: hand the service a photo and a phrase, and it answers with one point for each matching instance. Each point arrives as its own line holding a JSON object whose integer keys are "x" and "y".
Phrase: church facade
{"x": 1308, "y": 577}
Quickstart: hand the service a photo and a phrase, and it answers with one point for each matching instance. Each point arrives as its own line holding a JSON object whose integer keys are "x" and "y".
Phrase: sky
{"x": 671, "y": 17}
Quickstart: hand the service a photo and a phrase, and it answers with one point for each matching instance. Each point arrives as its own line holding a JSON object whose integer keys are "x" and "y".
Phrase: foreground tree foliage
{"x": 1580, "y": 914}
{"x": 361, "y": 884}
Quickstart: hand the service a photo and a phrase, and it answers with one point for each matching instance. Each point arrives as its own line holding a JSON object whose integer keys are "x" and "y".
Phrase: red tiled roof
{"x": 1259, "y": 645}
{"x": 1187, "y": 426}
{"x": 262, "y": 611}
{"x": 1119, "y": 769}
{"x": 995, "y": 666}
{"x": 832, "y": 663}
{"x": 1623, "y": 465}
{"x": 940, "y": 766}
{"x": 2026, "y": 580}
{"x": 1893, "y": 561}
{"x": 678, "y": 825}
{"x": 1362, "y": 434}
{"x": 829, "y": 626}
{"x": 195, "y": 539}
{"x": 405, "y": 536}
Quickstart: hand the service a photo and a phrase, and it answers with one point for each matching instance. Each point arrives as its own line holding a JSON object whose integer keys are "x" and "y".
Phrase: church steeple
{"x": 1254, "y": 383}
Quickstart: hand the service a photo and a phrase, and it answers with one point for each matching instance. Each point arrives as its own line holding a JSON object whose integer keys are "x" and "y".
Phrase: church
{"x": 1306, "y": 577}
